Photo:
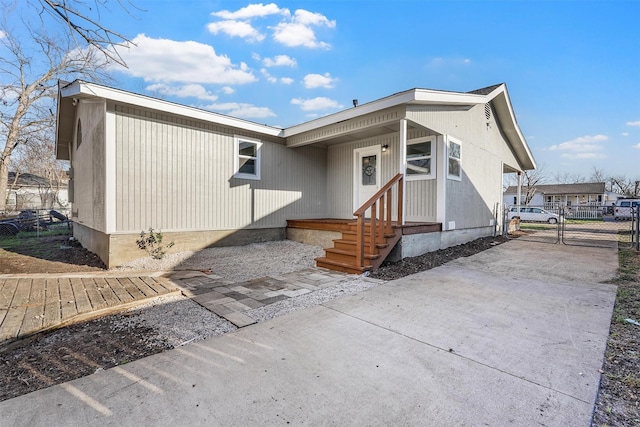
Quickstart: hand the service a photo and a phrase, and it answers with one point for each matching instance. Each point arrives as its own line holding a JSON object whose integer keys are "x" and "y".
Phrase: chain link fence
{"x": 592, "y": 225}
{"x": 34, "y": 222}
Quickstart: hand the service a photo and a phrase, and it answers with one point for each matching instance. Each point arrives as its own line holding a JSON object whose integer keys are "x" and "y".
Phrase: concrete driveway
{"x": 512, "y": 336}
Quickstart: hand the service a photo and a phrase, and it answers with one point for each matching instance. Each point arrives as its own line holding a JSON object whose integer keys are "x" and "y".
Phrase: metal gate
{"x": 594, "y": 226}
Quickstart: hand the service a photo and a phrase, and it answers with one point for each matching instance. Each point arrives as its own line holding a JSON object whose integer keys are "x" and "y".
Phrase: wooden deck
{"x": 340, "y": 225}
{"x": 33, "y": 304}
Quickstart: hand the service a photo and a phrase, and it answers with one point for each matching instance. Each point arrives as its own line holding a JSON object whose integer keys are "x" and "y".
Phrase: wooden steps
{"x": 342, "y": 256}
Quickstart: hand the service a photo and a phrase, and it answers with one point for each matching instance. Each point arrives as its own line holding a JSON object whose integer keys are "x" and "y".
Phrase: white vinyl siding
{"x": 421, "y": 194}
{"x": 175, "y": 174}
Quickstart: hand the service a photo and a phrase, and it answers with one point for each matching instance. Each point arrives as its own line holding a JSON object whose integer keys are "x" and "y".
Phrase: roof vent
{"x": 487, "y": 110}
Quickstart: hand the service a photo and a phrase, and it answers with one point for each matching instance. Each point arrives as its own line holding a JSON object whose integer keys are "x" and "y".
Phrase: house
{"x": 585, "y": 200}
{"x": 207, "y": 179}
{"x": 29, "y": 191}
{"x": 561, "y": 195}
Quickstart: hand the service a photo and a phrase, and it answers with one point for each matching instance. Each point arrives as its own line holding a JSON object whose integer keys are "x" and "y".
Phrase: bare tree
{"x": 598, "y": 175}
{"x": 568, "y": 178}
{"x": 30, "y": 68}
{"x": 81, "y": 19}
{"x": 530, "y": 179}
{"x": 36, "y": 158}
{"x": 623, "y": 185}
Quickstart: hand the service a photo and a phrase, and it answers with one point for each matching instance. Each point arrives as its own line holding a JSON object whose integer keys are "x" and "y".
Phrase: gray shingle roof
{"x": 579, "y": 188}
{"x": 28, "y": 180}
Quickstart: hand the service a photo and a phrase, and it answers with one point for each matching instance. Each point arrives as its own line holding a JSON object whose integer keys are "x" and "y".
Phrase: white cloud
{"x": 314, "y": 104}
{"x": 636, "y": 123}
{"x": 439, "y": 62}
{"x": 625, "y": 133}
{"x": 584, "y": 147}
{"x": 236, "y": 29}
{"x": 185, "y": 91}
{"x": 582, "y": 156}
{"x": 286, "y": 80}
{"x": 252, "y": 11}
{"x": 237, "y": 109}
{"x": 228, "y": 90}
{"x": 280, "y": 61}
{"x": 299, "y": 32}
{"x": 311, "y": 18}
{"x": 163, "y": 60}
{"x": 268, "y": 76}
{"x": 293, "y": 30}
{"x": 318, "y": 80}
{"x": 637, "y": 146}
{"x": 2, "y": 34}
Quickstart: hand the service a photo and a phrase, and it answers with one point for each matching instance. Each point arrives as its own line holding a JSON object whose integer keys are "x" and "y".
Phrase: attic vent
{"x": 487, "y": 110}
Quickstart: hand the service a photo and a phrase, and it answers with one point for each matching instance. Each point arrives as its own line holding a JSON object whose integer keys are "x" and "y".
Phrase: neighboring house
{"x": 207, "y": 179}
{"x": 564, "y": 195}
{"x": 34, "y": 192}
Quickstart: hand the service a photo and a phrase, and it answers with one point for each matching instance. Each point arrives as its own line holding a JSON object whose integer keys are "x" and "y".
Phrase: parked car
{"x": 529, "y": 214}
{"x": 625, "y": 208}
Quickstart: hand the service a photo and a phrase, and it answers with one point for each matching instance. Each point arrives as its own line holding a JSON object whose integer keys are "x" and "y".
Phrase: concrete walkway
{"x": 511, "y": 336}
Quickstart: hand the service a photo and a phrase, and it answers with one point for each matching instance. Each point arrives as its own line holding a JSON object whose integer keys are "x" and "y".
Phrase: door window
{"x": 369, "y": 170}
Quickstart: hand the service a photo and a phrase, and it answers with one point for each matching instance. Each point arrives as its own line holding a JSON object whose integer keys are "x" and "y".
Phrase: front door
{"x": 366, "y": 175}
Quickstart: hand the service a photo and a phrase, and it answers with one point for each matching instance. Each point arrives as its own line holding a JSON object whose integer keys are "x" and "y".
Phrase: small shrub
{"x": 152, "y": 244}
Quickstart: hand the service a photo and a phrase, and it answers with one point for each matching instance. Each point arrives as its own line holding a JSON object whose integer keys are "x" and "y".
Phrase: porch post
{"x": 403, "y": 167}
{"x": 519, "y": 194}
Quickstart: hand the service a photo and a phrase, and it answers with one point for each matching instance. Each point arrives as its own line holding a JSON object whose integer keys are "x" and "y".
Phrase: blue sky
{"x": 572, "y": 68}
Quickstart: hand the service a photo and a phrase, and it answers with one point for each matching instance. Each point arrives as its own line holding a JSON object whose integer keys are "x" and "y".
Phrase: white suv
{"x": 529, "y": 214}
{"x": 625, "y": 208}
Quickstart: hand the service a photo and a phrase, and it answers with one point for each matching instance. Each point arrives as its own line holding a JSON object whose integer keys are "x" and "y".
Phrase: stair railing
{"x": 380, "y": 223}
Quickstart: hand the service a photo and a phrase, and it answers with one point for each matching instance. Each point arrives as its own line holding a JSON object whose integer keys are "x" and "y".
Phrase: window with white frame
{"x": 247, "y": 158}
{"x": 454, "y": 169}
{"x": 420, "y": 155}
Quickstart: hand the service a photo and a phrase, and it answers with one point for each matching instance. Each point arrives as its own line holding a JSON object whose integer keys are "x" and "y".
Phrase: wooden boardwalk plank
{"x": 107, "y": 293}
{"x": 83, "y": 304}
{"x": 68, "y": 303}
{"x": 144, "y": 288}
{"x": 95, "y": 297}
{"x": 52, "y": 304}
{"x": 13, "y": 319}
{"x": 135, "y": 293}
{"x": 9, "y": 287}
{"x": 34, "y": 314}
{"x": 119, "y": 290}
{"x": 157, "y": 285}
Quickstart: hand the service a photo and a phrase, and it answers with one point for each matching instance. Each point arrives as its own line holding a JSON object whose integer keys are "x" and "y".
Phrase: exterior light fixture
{"x": 384, "y": 147}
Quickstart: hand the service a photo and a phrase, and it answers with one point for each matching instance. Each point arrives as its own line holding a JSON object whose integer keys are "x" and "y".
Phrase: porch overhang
{"x": 375, "y": 118}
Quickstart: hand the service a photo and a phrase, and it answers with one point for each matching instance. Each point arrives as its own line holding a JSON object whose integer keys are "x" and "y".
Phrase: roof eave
{"x": 80, "y": 89}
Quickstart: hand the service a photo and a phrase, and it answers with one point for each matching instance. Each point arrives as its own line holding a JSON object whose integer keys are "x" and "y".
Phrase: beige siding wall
{"x": 88, "y": 166}
{"x": 471, "y": 202}
{"x": 177, "y": 175}
{"x": 421, "y": 195}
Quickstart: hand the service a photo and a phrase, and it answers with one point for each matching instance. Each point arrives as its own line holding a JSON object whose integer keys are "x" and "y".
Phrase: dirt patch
{"x": 618, "y": 402}
{"x": 73, "y": 352}
{"x": 49, "y": 253}
{"x": 396, "y": 270}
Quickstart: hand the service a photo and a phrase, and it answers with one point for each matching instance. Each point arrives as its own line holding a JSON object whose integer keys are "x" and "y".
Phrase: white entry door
{"x": 366, "y": 174}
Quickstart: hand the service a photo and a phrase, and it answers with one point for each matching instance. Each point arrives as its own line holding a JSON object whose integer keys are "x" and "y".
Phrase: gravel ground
{"x": 236, "y": 263}
{"x": 177, "y": 320}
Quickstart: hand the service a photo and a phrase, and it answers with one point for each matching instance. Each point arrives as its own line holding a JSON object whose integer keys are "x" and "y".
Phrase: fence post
{"x": 637, "y": 225}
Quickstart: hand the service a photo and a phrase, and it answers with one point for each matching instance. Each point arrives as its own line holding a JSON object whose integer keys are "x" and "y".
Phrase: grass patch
{"x": 537, "y": 226}
{"x": 617, "y": 402}
{"x": 583, "y": 221}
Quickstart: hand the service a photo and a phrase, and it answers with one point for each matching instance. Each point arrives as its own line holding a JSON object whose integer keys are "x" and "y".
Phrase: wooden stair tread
{"x": 341, "y": 266}
{"x": 345, "y": 252}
